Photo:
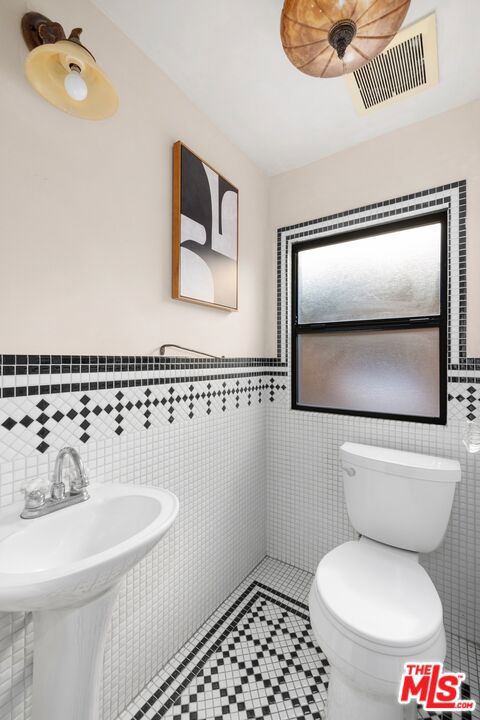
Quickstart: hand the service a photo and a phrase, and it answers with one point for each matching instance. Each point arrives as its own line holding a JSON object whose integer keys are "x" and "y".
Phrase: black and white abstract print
{"x": 208, "y": 234}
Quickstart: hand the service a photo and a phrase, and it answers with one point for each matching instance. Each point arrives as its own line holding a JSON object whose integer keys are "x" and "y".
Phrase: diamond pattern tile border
{"x": 257, "y": 660}
{"x": 254, "y": 658}
{"x": 24, "y": 377}
{"x": 29, "y": 424}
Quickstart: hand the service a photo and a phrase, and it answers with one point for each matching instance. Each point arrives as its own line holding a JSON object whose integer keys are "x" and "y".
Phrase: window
{"x": 369, "y": 331}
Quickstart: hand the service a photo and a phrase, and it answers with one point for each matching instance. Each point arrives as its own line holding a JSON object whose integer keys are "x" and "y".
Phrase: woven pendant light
{"x": 327, "y": 38}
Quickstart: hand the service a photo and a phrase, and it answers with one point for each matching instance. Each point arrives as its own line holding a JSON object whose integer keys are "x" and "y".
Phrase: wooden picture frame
{"x": 205, "y": 233}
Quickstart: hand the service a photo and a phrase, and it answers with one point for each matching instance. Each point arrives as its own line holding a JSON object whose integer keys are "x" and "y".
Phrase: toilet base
{"x": 346, "y": 701}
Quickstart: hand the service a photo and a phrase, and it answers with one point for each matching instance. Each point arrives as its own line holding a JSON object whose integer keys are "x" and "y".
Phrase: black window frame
{"x": 436, "y": 321}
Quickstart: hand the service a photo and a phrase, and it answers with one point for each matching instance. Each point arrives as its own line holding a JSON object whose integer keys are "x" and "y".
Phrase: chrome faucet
{"x": 47, "y": 498}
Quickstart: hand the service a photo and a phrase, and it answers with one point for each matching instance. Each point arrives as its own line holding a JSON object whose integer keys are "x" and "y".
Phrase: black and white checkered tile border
{"x": 453, "y": 199}
{"x": 64, "y": 373}
{"x": 255, "y": 657}
{"x": 250, "y": 661}
{"x": 463, "y": 372}
{"x": 25, "y": 377}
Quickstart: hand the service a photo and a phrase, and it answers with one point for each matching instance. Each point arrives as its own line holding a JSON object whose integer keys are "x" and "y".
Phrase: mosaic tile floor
{"x": 255, "y": 658}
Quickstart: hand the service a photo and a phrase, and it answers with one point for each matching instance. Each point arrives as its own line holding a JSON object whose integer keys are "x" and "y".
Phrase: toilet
{"x": 372, "y": 605}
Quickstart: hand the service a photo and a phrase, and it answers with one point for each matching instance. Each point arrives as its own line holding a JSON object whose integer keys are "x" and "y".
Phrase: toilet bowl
{"x": 372, "y": 609}
{"x": 372, "y": 605}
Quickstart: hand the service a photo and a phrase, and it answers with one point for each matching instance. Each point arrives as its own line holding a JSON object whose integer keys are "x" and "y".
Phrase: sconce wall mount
{"x": 39, "y": 30}
{"x": 64, "y": 71}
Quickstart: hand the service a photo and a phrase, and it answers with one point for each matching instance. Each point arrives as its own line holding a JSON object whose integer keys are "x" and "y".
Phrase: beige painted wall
{"x": 85, "y": 209}
{"x": 434, "y": 152}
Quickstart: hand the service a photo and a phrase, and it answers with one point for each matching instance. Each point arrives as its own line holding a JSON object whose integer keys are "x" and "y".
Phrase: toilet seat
{"x": 349, "y": 602}
{"x": 379, "y": 596}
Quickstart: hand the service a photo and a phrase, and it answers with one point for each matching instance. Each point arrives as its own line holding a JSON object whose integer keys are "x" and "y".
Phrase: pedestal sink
{"x": 66, "y": 568}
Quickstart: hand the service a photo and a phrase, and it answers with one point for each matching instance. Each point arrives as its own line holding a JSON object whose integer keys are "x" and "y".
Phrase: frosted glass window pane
{"x": 377, "y": 371}
{"x": 392, "y": 275}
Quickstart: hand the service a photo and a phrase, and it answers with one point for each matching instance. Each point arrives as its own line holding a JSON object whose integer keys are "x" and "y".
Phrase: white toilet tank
{"x": 398, "y": 498}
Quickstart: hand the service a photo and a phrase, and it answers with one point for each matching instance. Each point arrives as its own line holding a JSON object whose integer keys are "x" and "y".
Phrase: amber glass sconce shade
{"x": 327, "y": 38}
{"x": 64, "y": 72}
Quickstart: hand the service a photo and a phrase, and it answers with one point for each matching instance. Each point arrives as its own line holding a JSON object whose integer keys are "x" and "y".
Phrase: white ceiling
{"x": 227, "y": 57}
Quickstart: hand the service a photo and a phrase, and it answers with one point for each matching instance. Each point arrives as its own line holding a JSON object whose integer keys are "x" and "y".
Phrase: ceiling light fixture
{"x": 64, "y": 72}
{"x": 328, "y": 38}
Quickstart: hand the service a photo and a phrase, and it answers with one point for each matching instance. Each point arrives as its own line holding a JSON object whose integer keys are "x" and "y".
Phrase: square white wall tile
{"x": 216, "y": 466}
{"x": 306, "y": 512}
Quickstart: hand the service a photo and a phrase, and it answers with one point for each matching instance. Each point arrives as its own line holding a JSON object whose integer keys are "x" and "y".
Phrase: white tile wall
{"x": 306, "y": 514}
{"x": 216, "y": 466}
{"x": 232, "y": 464}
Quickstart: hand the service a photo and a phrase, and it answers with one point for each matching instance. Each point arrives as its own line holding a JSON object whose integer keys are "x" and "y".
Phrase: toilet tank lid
{"x": 400, "y": 462}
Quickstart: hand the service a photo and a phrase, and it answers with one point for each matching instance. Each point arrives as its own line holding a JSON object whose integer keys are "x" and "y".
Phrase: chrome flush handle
{"x": 350, "y": 471}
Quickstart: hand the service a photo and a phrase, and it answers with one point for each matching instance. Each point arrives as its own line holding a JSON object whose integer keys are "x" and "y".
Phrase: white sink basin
{"x": 76, "y": 553}
{"x": 66, "y": 567}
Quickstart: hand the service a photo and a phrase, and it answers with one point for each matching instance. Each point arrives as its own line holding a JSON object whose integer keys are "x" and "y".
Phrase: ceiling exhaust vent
{"x": 409, "y": 65}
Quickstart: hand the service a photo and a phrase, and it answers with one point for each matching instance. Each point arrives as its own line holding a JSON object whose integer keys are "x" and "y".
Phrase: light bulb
{"x": 75, "y": 86}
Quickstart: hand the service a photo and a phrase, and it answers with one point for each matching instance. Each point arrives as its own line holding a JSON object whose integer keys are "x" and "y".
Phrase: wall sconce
{"x": 64, "y": 72}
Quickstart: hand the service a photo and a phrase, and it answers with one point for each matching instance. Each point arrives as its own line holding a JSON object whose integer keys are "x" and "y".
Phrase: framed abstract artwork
{"x": 205, "y": 233}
